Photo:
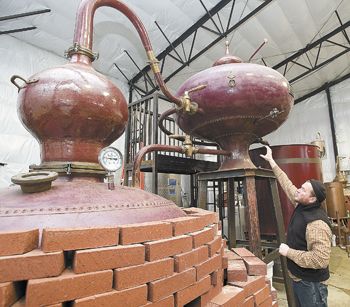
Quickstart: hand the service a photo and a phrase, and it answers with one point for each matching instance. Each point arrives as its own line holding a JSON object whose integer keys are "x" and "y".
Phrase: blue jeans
{"x": 310, "y": 294}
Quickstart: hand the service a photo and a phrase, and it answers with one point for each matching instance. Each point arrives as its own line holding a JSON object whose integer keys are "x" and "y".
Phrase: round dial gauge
{"x": 110, "y": 158}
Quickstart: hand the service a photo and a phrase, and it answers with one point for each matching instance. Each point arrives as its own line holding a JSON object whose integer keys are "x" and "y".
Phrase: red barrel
{"x": 300, "y": 162}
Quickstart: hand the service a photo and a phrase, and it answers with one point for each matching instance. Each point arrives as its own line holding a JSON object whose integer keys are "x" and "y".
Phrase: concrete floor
{"x": 338, "y": 284}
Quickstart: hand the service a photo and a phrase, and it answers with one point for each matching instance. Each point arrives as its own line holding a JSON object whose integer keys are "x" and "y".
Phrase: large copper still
{"x": 74, "y": 111}
{"x": 238, "y": 104}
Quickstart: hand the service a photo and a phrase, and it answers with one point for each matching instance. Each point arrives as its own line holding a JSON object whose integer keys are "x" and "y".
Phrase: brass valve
{"x": 188, "y": 148}
{"x": 189, "y": 106}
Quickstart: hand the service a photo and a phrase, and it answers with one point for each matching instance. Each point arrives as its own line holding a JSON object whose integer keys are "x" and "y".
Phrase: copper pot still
{"x": 238, "y": 104}
{"x": 74, "y": 111}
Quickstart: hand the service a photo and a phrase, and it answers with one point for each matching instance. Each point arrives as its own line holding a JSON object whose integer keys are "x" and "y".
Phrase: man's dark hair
{"x": 318, "y": 189}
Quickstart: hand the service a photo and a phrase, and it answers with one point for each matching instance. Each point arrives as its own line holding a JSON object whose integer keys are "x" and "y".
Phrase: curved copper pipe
{"x": 161, "y": 119}
{"x": 139, "y": 156}
{"x": 157, "y": 147}
{"x": 84, "y": 31}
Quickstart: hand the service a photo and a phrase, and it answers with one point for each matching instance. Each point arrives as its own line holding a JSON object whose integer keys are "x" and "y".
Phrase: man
{"x": 309, "y": 236}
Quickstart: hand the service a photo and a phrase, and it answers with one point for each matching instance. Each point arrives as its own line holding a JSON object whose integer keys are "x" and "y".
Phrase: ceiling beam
{"x": 191, "y": 33}
{"x": 322, "y": 88}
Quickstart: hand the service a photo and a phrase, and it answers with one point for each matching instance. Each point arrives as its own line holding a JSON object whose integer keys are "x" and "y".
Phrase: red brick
{"x": 67, "y": 287}
{"x": 190, "y": 259}
{"x": 255, "y": 266}
{"x": 217, "y": 277}
{"x": 166, "y": 302}
{"x": 236, "y": 271}
{"x": 203, "y": 236}
{"x": 252, "y": 285}
{"x": 242, "y": 252}
{"x": 221, "y": 251}
{"x": 229, "y": 296}
{"x": 208, "y": 266}
{"x": 105, "y": 258}
{"x": 206, "y": 297}
{"x": 136, "y": 296}
{"x": 188, "y": 294}
{"x": 262, "y": 295}
{"x": 136, "y": 275}
{"x": 139, "y": 233}
{"x": 267, "y": 302}
{"x": 227, "y": 257}
{"x": 167, "y": 247}
{"x": 164, "y": 287}
{"x": 56, "y": 239}
{"x": 186, "y": 224}
{"x": 209, "y": 216}
{"x": 231, "y": 255}
{"x": 35, "y": 264}
{"x": 214, "y": 246}
{"x": 10, "y": 292}
{"x": 249, "y": 302}
{"x": 14, "y": 243}
{"x": 195, "y": 210}
{"x": 22, "y": 303}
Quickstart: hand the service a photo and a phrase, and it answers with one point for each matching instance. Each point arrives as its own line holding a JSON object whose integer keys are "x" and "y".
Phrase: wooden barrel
{"x": 335, "y": 199}
{"x": 300, "y": 162}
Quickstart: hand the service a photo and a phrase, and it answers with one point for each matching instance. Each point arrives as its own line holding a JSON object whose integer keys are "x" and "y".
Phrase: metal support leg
{"x": 231, "y": 221}
{"x": 202, "y": 194}
{"x": 253, "y": 217}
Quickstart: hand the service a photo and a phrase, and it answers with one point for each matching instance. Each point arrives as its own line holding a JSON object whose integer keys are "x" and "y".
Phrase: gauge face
{"x": 110, "y": 158}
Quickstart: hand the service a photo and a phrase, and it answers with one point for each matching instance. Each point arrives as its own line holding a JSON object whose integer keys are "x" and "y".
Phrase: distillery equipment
{"x": 238, "y": 104}
{"x": 335, "y": 199}
{"x": 74, "y": 112}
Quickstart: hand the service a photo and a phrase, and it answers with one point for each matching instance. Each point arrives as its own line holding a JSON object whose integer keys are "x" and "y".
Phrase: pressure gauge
{"x": 110, "y": 158}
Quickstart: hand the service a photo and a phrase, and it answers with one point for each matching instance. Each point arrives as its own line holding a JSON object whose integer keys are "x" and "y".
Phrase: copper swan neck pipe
{"x": 84, "y": 31}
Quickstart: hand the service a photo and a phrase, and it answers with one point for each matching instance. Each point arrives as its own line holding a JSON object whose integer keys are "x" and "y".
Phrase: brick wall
{"x": 168, "y": 263}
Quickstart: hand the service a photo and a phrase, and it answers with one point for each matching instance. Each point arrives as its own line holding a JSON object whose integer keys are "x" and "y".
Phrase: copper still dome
{"x": 238, "y": 104}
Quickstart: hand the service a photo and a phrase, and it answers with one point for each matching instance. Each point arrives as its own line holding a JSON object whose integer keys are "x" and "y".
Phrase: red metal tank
{"x": 241, "y": 102}
{"x": 300, "y": 162}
